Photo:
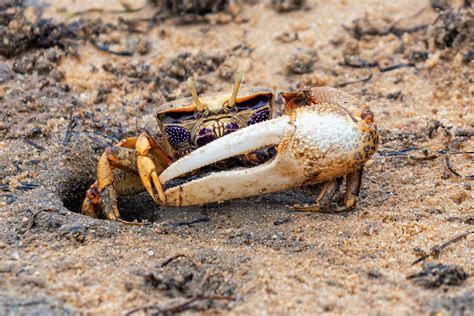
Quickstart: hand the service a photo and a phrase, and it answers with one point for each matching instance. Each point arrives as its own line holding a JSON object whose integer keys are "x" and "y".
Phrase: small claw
{"x": 306, "y": 207}
{"x": 146, "y": 169}
{"x": 348, "y": 205}
{"x": 159, "y": 188}
{"x": 91, "y": 204}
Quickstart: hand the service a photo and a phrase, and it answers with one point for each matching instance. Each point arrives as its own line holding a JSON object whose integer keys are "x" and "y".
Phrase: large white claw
{"x": 248, "y": 139}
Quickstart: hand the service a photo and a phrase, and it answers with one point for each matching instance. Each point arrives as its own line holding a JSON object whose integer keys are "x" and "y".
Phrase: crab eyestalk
{"x": 192, "y": 88}
{"x": 238, "y": 78}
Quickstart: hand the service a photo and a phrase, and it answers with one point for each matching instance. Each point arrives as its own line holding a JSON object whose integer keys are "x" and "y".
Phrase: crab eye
{"x": 177, "y": 135}
{"x": 253, "y": 103}
{"x": 260, "y": 116}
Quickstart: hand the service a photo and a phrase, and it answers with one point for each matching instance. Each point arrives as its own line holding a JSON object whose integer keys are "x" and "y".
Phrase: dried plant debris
{"x": 458, "y": 305}
{"x": 288, "y": 5}
{"x": 435, "y": 275}
{"x": 454, "y": 29}
{"x": 193, "y": 11}
{"x": 302, "y": 61}
{"x": 191, "y": 7}
{"x": 180, "y": 276}
{"x": 451, "y": 28}
{"x": 19, "y": 34}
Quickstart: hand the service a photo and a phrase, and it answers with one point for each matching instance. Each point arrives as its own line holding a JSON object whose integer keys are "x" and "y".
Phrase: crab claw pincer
{"x": 328, "y": 134}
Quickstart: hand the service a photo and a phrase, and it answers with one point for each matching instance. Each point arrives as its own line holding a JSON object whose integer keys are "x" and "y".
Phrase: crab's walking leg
{"x": 353, "y": 183}
{"x": 149, "y": 168}
{"x": 102, "y": 196}
{"x": 325, "y": 196}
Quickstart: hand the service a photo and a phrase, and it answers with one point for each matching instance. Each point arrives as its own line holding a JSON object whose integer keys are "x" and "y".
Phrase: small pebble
{"x": 5, "y": 74}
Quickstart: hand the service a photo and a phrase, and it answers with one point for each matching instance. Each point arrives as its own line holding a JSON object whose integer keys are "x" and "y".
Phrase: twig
{"x": 375, "y": 64}
{"x": 70, "y": 126}
{"x": 404, "y": 152}
{"x": 436, "y": 250}
{"x": 169, "y": 260}
{"x": 35, "y": 145}
{"x": 128, "y": 223}
{"x": 27, "y": 186}
{"x": 451, "y": 169}
{"x": 180, "y": 307}
{"x": 397, "y": 66}
{"x": 343, "y": 84}
{"x": 127, "y": 9}
{"x": 190, "y": 223}
{"x": 105, "y": 48}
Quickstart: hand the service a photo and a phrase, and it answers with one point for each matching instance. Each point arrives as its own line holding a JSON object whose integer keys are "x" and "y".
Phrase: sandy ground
{"x": 258, "y": 253}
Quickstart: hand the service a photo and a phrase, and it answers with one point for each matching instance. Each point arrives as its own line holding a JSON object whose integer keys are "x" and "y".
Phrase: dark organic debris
{"x": 302, "y": 62}
{"x": 186, "y": 11}
{"x": 35, "y": 145}
{"x": 173, "y": 258}
{"x": 450, "y": 167}
{"x": 365, "y": 26}
{"x": 343, "y": 84}
{"x": 282, "y": 221}
{"x": 18, "y": 34}
{"x": 365, "y": 64}
{"x": 288, "y": 5}
{"x": 179, "y": 276}
{"x": 190, "y": 223}
{"x": 71, "y": 125}
{"x": 191, "y": 7}
{"x": 426, "y": 155}
{"x": 178, "y": 308}
{"x": 27, "y": 186}
{"x": 105, "y": 48}
{"x": 126, "y": 9}
{"x": 436, "y": 250}
{"x": 454, "y": 29}
{"x": 435, "y": 275}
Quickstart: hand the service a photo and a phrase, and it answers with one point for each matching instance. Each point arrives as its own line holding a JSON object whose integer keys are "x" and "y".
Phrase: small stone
{"x": 150, "y": 253}
{"x": 5, "y": 73}
{"x": 459, "y": 197}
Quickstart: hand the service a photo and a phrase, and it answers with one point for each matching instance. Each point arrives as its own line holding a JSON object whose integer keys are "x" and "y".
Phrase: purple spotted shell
{"x": 177, "y": 135}
{"x": 260, "y": 116}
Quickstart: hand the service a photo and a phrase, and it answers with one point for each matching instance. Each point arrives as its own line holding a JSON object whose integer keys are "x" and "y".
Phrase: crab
{"x": 324, "y": 136}
{"x": 134, "y": 164}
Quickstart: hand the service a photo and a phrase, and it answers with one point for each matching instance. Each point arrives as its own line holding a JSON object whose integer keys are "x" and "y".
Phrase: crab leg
{"x": 115, "y": 172}
{"x": 307, "y": 145}
{"x": 129, "y": 167}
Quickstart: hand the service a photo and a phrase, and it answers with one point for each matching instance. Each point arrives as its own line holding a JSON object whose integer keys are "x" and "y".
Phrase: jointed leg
{"x": 325, "y": 196}
{"x": 125, "y": 169}
{"x": 353, "y": 183}
{"x": 151, "y": 161}
{"x": 117, "y": 166}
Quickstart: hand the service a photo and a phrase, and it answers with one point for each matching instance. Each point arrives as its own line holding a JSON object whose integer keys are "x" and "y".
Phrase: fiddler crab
{"x": 323, "y": 136}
